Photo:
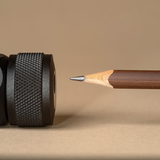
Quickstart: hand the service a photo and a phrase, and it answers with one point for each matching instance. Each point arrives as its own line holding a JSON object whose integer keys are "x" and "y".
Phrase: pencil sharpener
{"x": 27, "y": 89}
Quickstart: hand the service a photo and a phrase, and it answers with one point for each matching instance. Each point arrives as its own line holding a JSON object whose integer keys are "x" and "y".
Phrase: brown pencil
{"x": 136, "y": 79}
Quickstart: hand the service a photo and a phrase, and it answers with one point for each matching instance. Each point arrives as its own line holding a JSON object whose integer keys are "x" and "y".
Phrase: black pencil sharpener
{"x": 27, "y": 89}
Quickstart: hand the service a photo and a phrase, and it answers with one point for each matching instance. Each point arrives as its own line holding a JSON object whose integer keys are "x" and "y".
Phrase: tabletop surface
{"x": 91, "y": 121}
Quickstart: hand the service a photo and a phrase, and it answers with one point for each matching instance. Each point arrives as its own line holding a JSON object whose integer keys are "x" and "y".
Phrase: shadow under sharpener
{"x": 27, "y": 89}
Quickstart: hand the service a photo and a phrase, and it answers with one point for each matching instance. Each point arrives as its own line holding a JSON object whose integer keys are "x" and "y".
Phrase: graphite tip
{"x": 79, "y": 78}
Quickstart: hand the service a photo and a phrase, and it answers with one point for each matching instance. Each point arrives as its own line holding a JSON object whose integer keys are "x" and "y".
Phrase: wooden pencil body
{"x": 136, "y": 79}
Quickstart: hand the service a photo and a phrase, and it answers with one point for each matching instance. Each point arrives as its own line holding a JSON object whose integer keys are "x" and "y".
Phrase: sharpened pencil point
{"x": 79, "y": 78}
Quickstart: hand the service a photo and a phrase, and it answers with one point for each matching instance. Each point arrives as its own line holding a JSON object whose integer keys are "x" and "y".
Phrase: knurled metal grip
{"x": 30, "y": 89}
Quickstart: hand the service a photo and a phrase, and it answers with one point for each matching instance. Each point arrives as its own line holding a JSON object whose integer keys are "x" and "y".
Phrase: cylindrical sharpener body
{"x": 30, "y": 89}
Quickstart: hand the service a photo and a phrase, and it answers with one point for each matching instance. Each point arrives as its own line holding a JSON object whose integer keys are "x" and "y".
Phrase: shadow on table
{"x": 108, "y": 117}
{"x": 73, "y": 121}
{"x": 61, "y": 118}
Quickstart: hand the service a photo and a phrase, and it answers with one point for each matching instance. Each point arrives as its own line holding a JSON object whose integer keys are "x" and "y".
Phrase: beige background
{"x": 87, "y": 36}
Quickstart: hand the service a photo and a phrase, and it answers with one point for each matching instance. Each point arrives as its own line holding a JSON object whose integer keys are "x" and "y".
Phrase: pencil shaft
{"x": 136, "y": 79}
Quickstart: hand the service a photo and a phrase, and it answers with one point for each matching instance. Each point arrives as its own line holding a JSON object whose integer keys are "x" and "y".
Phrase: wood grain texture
{"x": 100, "y": 78}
